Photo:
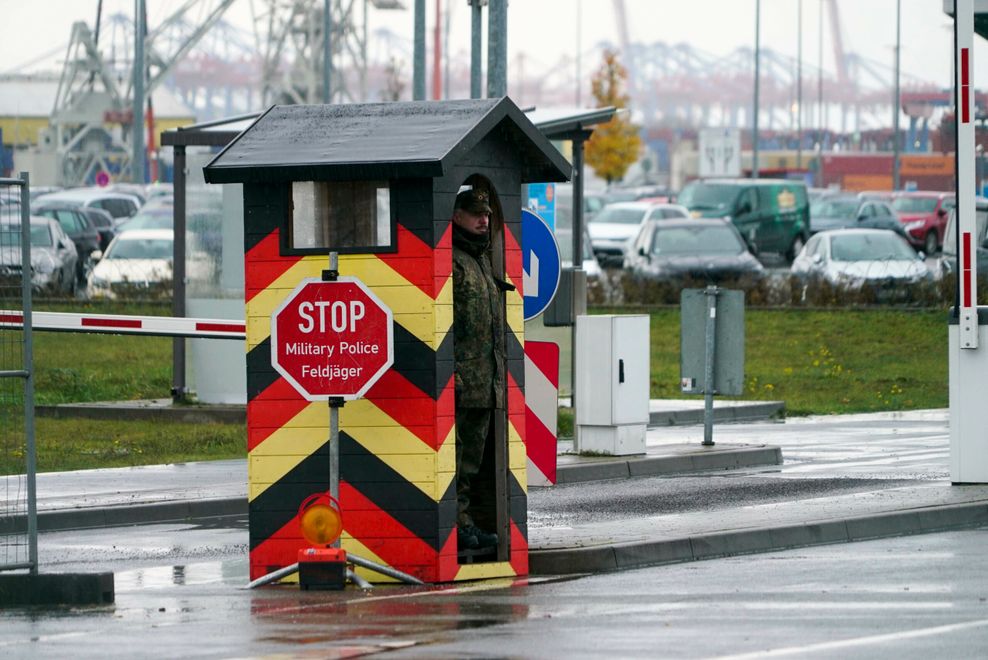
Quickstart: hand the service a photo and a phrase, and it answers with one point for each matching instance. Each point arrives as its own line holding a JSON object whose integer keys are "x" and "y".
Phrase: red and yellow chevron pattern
{"x": 397, "y": 444}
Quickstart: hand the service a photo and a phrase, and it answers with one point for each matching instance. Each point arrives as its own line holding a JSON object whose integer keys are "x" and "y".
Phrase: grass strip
{"x": 825, "y": 362}
{"x": 82, "y": 444}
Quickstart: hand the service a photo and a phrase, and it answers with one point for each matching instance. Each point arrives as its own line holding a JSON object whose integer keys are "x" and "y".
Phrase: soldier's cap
{"x": 473, "y": 200}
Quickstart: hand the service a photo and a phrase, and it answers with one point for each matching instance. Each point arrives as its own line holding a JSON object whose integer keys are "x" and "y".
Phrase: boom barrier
{"x": 161, "y": 326}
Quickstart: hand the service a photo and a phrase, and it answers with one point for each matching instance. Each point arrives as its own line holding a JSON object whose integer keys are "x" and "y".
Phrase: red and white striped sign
{"x": 162, "y": 326}
{"x": 541, "y": 410}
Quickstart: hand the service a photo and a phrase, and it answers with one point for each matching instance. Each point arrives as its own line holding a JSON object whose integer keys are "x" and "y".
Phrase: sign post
{"x": 711, "y": 347}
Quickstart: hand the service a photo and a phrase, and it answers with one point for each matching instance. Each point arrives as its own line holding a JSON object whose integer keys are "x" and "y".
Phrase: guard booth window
{"x": 345, "y": 216}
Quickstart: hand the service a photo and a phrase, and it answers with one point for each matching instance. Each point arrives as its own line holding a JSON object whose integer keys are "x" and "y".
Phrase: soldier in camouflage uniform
{"x": 478, "y": 339}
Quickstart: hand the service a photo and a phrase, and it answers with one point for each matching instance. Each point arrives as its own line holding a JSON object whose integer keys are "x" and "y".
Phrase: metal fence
{"x": 18, "y": 502}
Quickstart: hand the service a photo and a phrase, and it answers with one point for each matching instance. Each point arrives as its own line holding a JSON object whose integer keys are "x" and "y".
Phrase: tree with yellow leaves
{"x": 614, "y": 146}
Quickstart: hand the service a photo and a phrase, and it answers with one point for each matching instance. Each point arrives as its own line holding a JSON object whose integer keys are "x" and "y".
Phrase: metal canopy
{"x": 380, "y": 141}
{"x": 218, "y": 133}
{"x": 564, "y": 123}
{"x": 980, "y": 15}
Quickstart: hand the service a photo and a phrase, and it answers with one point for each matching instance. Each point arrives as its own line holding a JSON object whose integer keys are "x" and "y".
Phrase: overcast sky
{"x": 547, "y": 30}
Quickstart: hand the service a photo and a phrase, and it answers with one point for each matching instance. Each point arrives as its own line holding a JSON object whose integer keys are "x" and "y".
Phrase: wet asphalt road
{"x": 660, "y": 496}
{"x": 913, "y": 597}
{"x": 916, "y": 597}
{"x": 824, "y": 456}
{"x": 179, "y": 586}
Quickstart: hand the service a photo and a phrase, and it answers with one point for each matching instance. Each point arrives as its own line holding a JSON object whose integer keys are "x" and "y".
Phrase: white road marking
{"x": 859, "y": 641}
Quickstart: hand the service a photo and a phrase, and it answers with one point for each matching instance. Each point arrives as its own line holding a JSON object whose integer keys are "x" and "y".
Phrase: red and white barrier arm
{"x": 160, "y": 326}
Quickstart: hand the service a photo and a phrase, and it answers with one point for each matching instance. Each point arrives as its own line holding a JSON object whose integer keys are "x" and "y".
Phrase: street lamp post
{"x": 418, "y": 56}
{"x": 896, "y": 101}
{"x": 327, "y": 50}
{"x": 497, "y": 49}
{"x": 476, "y": 43}
{"x": 754, "y": 130}
{"x": 819, "y": 101}
{"x": 799, "y": 85}
{"x": 137, "y": 146}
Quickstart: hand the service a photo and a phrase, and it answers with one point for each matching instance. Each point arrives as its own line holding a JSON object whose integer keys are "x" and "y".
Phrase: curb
{"x": 715, "y": 459}
{"x": 723, "y": 414}
{"x": 191, "y": 414}
{"x": 128, "y": 514}
{"x": 187, "y": 510}
{"x": 624, "y": 556}
{"x": 163, "y": 410}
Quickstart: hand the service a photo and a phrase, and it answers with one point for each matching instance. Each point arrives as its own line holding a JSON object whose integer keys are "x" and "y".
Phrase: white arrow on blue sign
{"x": 540, "y": 263}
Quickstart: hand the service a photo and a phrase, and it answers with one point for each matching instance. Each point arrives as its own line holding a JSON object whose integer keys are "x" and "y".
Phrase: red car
{"x": 924, "y": 217}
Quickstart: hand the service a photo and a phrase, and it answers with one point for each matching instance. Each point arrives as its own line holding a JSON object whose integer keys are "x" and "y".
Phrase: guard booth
{"x": 376, "y": 183}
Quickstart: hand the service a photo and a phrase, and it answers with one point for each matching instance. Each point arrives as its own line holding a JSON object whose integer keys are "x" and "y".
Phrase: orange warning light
{"x": 320, "y": 519}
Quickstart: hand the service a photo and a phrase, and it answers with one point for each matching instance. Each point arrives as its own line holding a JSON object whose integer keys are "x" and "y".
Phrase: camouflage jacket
{"x": 478, "y": 324}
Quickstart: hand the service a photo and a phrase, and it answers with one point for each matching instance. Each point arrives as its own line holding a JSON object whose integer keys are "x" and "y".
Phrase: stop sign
{"x": 332, "y": 339}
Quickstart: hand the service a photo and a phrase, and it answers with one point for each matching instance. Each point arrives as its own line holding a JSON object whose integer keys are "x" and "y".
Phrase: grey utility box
{"x": 612, "y": 383}
{"x": 570, "y": 300}
{"x": 728, "y": 357}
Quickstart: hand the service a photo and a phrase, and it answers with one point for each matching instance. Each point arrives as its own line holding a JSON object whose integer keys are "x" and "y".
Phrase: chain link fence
{"x": 18, "y": 508}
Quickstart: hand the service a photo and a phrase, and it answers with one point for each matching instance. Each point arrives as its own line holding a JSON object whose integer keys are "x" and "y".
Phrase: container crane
{"x": 88, "y": 125}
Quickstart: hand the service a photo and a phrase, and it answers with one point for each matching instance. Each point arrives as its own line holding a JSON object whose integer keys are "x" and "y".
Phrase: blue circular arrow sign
{"x": 540, "y": 262}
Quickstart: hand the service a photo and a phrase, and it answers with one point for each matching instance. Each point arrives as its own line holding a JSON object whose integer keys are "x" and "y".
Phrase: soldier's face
{"x": 474, "y": 223}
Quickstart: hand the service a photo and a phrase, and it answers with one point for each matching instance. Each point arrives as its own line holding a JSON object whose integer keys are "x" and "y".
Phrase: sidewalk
{"x": 163, "y": 493}
{"x": 897, "y": 463}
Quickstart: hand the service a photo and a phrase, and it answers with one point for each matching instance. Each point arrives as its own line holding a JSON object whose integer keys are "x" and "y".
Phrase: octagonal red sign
{"x": 332, "y": 339}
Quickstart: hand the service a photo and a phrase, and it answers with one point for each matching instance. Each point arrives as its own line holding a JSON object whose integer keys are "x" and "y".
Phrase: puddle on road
{"x": 230, "y": 572}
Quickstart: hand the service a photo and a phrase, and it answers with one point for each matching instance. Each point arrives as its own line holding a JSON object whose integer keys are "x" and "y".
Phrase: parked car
{"x": 140, "y": 263}
{"x": 10, "y": 204}
{"x": 851, "y": 211}
{"x": 947, "y": 263}
{"x": 564, "y": 239}
{"x": 642, "y": 193}
{"x": 924, "y": 217}
{"x": 53, "y": 256}
{"x": 157, "y": 202}
{"x": 137, "y": 262}
{"x": 593, "y": 201}
{"x": 79, "y": 228}
{"x": 155, "y": 218}
{"x": 813, "y": 194}
{"x": 119, "y": 205}
{"x": 613, "y": 228}
{"x": 707, "y": 250}
{"x": 133, "y": 189}
{"x": 857, "y": 258}
{"x": 38, "y": 191}
{"x": 771, "y": 214}
{"x": 103, "y": 222}
{"x": 876, "y": 195}
{"x": 153, "y": 190}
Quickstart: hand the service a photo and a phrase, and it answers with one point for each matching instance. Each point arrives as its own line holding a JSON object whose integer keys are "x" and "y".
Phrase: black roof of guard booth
{"x": 373, "y": 141}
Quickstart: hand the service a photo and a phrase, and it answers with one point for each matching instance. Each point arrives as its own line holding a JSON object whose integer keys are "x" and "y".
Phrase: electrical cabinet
{"x": 612, "y": 383}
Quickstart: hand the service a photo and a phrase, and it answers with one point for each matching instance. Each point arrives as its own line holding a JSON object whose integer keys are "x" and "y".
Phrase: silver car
{"x": 53, "y": 256}
{"x": 856, "y": 259}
